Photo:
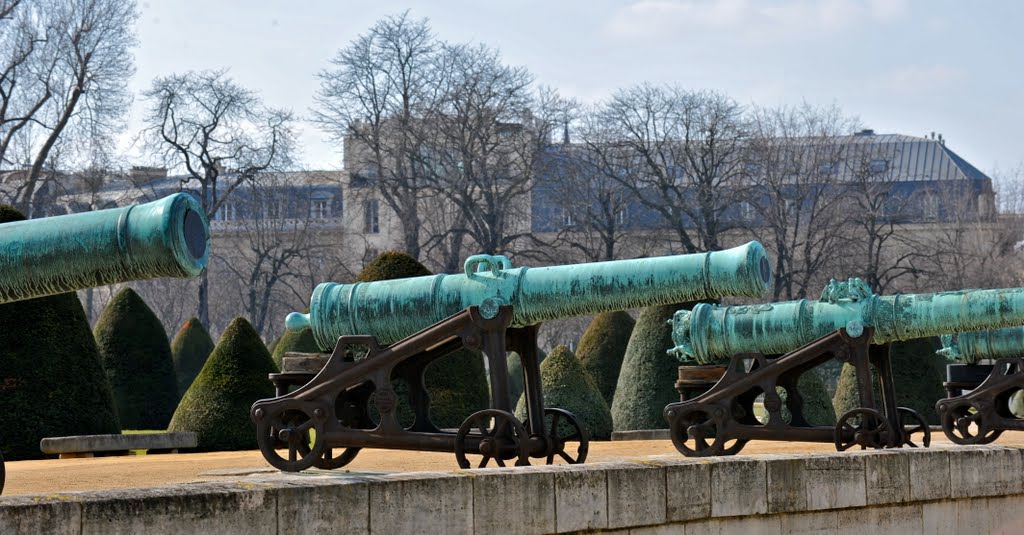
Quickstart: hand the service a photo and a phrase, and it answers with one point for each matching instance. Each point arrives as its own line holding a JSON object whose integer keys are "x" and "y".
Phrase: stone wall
{"x": 950, "y": 490}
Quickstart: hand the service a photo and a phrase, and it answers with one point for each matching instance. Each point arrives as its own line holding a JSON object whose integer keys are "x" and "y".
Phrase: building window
{"x": 320, "y": 209}
{"x": 567, "y": 220}
{"x": 274, "y": 210}
{"x": 930, "y": 206}
{"x": 827, "y": 168}
{"x": 226, "y": 212}
{"x": 746, "y": 211}
{"x": 622, "y": 216}
{"x": 878, "y": 166}
{"x": 371, "y": 222}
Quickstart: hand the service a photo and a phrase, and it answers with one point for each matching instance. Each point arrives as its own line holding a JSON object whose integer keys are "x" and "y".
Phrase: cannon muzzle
{"x": 711, "y": 333}
{"x": 970, "y": 347}
{"x": 164, "y": 238}
{"x": 394, "y": 309}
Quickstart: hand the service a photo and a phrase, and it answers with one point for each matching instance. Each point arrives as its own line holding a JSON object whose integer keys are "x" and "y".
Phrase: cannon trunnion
{"x": 723, "y": 419}
{"x": 325, "y": 422}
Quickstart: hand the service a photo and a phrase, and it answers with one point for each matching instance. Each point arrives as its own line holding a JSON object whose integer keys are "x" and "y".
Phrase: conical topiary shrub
{"x": 457, "y": 383}
{"x": 602, "y": 348}
{"x": 515, "y": 373}
{"x": 302, "y": 342}
{"x": 216, "y": 406}
{"x": 137, "y": 358}
{"x": 567, "y": 386}
{"x": 917, "y": 372}
{"x": 189, "y": 349}
{"x": 817, "y": 404}
{"x": 51, "y": 380}
{"x": 648, "y": 375}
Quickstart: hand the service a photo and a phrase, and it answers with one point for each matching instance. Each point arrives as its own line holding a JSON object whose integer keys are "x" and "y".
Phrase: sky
{"x": 901, "y": 66}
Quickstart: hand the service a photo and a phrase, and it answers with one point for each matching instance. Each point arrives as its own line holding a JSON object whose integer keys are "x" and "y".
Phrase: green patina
{"x": 970, "y": 347}
{"x": 711, "y": 334}
{"x": 392, "y": 310}
{"x": 164, "y": 238}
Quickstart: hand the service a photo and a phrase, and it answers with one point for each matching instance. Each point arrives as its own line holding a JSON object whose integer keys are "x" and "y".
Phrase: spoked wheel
{"x": 501, "y": 436}
{"x": 692, "y": 428}
{"x": 912, "y": 423}
{"x": 353, "y": 412}
{"x": 563, "y": 431}
{"x": 964, "y": 423}
{"x": 291, "y": 439}
{"x": 862, "y": 427}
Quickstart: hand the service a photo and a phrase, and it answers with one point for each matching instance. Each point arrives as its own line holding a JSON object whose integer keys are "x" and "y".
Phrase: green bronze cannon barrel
{"x": 164, "y": 238}
{"x": 392, "y": 310}
{"x": 970, "y": 347}
{"x": 710, "y": 334}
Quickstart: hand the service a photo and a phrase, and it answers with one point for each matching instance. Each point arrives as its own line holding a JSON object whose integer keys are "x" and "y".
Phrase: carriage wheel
{"x": 692, "y": 427}
{"x": 502, "y": 438}
{"x": 563, "y": 429}
{"x": 291, "y": 439}
{"x": 911, "y": 422}
{"x": 964, "y": 423}
{"x": 862, "y": 427}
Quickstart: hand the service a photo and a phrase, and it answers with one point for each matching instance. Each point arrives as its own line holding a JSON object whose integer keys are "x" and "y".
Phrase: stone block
{"x": 887, "y": 477}
{"x": 835, "y": 481}
{"x": 636, "y": 494}
{"x": 985, "y": 471}
{"x": 815, "y": 523}
{"x": 687, "y": 491}
{"x": 1006, "y": 514}
{"x": 929, "y": 474}
{"x": 663, "y": 529}
{"x": 224, "y": 509}
{"x": 118, "y": 443}
{"x": 581, "y": 498}
{"x": 405, "y": 503}
{"x": 738, "y": 486}
{"x": 787, "y": 487}
{"x": 939, "y": 518}
{"x": 57, "y": 514}
{"x": 882, "y": 519}
{"x": 317, "y": 505}
{"x": 516, "y": 500}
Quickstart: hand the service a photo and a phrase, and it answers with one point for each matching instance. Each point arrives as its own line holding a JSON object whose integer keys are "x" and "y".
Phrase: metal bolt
{"x": 319, "y": 413}
{"x": 258, "y": 414}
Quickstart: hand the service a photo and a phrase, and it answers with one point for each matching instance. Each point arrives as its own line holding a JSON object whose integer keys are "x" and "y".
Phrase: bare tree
{"x": 678, "y": 152}
{"x": 63, "y": 82}
{"x": 220, "y": 133}
{"x": 374, "y": 98}
{"x": 795, "y": 200}
{"x": 485, "y": 142}
{"x": 882, "y": 252}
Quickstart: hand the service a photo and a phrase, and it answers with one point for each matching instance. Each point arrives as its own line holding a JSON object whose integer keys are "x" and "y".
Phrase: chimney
{"x": 565, "y": 134}
{"x": 941, "y": 141}
{"x": 933, "y": 134}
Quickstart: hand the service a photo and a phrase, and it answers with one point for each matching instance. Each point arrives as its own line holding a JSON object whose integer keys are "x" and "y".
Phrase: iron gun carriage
{"x": 492, "y": 307}
{"x": 849, "y": 323}
{"x": 168, "y": 237}
{"x": 986, "y": 386}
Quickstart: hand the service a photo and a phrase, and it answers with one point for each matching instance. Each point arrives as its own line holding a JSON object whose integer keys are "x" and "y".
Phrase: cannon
{"x": 711, "y": 334}
{"x": 164, "y": 238}
{"x": 394, "y": 309}
{"x": 986, "y": 386}
{"x": 491, "y": 307}
{"x": 40, "y": 257}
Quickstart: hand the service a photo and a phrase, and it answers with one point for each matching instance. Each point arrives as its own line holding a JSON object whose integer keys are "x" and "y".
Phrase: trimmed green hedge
{"x": 391, "y": 265}
{"x": 515, "y": 373}
{"x": 137, "y": 358}
{"x": 817, "y": 404}
{"x": 602, "y": 349}
{"x": 51, "y": 380}
{"x": 566, "y": 385}
{"x": 302, "y": 342}
{"x": 918, "y": 374}
{"x": 189, "y": 349}
{"x": 648, "y": 376}
{"x": 216, "y": 406}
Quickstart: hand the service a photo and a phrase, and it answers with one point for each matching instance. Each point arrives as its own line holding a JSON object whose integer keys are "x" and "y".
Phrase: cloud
{"x": 918, "y": 79}
{"x": 785, "y": 19}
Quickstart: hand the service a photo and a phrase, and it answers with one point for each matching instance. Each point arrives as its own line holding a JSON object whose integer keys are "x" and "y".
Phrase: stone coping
{"x": 135, "y": 441}
{"x": 632, "y": 495}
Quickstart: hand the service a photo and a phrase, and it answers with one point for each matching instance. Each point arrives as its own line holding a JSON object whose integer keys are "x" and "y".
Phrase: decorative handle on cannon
{"x": 394, "y": 309}
{"x": 711, "y": 333}
{"x": 164, "y": 238}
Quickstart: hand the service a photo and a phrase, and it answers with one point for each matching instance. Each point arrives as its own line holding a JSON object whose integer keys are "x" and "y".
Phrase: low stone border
{"x": 942, "y": 490}
{"x": 90, "y": 445}
{"x": 642, "y": 434}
